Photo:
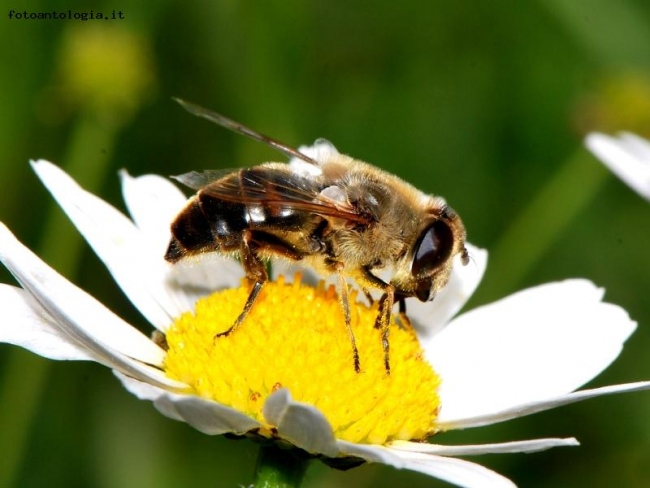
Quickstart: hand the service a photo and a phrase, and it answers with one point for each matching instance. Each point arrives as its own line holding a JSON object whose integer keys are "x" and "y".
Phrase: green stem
{"x": 280, "y": 468}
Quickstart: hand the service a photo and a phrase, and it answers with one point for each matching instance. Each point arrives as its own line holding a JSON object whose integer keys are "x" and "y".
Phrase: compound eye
{"x": 432, "y": 249}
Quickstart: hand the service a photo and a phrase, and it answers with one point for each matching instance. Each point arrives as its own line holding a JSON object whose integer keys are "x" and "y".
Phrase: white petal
{"x": 206, "y": 416}
{"x": 529, "y": 446}
{"x": 304, "y": 425}
{"x": 372, "y": 453}
{"x": 211, "y": 417}
{"x": 147, "y": 374}
{"x": 638, "y": 146}
{"x": 61, "y": 298}
{"x": 541, "y": 405}
{"x": 141, "y": 274}
{"x": 78, "y": 314}
{"x": 535, "y": 344}
{"x": 146, "y": 391}
{"x": 431, "y": 317}
{"x": 26, "y": 324}
{"x": 456, "y": 471}
{"x": 627, "y": 156}
{"x": 154, "y": 202}
{"x": 201, "y": 275}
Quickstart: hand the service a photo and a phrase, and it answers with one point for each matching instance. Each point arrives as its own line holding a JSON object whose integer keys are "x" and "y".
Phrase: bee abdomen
{"x": 174, "y": 251}
{"x": 225, "y": 220}
{"x": 191, "y": 233}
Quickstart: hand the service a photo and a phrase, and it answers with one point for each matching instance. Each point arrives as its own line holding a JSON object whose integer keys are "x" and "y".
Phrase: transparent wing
{"x": 279, "y": 189}
{"x": 242, "y": 129}
{"x": 199, "y": 179}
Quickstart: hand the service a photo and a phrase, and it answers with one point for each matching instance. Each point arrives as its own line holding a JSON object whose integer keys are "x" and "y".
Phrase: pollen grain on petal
{"x": 295, "y": 337}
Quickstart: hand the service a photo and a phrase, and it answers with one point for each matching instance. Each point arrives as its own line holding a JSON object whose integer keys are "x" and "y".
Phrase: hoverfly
{"x": 329, "y": 211}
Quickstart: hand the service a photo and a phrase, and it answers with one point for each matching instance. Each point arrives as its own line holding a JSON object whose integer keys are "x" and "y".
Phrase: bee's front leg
{"x": 345, "y": 305}
{"x": 406, "y": 322}
{"x": 386, "y": 303}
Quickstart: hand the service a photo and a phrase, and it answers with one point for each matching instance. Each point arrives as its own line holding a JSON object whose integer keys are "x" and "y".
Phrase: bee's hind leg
{"x": 252, "y": 241}
{"x": 255, "y": 271}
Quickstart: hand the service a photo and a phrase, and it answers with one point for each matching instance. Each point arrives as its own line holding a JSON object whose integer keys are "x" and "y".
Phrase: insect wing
{"x": 197, "y": 180}
{"x": 224, "y": 121}
{"x": 279, "y": 189}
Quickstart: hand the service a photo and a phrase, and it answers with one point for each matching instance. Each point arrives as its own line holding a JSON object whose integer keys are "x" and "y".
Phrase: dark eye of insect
{"x": 433, "y": 248}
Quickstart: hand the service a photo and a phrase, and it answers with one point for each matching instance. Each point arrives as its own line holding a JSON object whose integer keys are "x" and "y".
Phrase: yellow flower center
{"x": 295, "y": 337}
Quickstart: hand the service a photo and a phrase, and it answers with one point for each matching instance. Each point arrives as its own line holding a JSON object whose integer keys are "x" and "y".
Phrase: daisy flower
{"x": 286, "y": 376}
{"x": 627, "y": 156}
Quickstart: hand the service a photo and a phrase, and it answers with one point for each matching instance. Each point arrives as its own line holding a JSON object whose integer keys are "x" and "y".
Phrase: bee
{"x": 329, "y": 211}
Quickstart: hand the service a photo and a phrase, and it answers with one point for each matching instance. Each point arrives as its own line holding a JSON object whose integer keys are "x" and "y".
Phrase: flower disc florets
{"x": 295, "y": 338}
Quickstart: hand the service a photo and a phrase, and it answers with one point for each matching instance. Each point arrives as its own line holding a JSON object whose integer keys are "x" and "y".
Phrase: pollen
{"x": 295, "y": 337}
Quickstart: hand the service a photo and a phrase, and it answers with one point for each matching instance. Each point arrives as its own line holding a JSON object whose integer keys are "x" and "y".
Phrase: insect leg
{"x": 366, "y": 292}
{"x": 386, "y": 303}
{"x": 403, "y": 318}
{"x": 255, "y": 270}
{"x": 257, "y": 287}
{"x": 345, "y": 304}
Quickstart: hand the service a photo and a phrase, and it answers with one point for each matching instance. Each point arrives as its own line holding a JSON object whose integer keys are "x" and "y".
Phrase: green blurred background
{"x": 484, "y": 103}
